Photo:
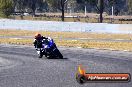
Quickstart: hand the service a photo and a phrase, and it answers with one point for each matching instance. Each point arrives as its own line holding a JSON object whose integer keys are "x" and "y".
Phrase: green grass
{"x": 68, "y": 43}
{"x": 58, "y": 37}
{"x": 65, "y": 34}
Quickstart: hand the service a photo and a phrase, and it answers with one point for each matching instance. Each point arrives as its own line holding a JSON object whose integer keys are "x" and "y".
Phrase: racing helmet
{"x": 37, "y": 36}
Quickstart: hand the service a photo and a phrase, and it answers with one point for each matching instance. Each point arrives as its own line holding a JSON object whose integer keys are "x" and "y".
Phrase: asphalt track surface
{"x": 20, "y": 67}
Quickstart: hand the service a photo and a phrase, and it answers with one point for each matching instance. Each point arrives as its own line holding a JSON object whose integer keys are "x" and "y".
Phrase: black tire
{"x": 48, "y": 57}
{"x": 47, "y": 54}
{"x": 41, "y": 54}
{"x": 59, "y": 54}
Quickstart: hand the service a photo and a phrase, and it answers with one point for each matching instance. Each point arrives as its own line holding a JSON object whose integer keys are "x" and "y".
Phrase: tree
{"x": 29, "y": 5}
{"x": 53, "y": 5}
{"x": 63, "y": 8}
{"x": 6, "y": 8}
{"x": 101, "y": 10}
{"x": 99, "y": 5}
{"x": 58, "y": 5}
{"x": 130, "y": 6}
{"x": 32, "y": 5}
{"x": 80, "y": 1}
{"x": 20, "y": 5}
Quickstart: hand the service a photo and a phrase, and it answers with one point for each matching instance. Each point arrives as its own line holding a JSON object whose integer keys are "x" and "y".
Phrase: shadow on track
{"x": 54, "y": 58}
{"x": 59, "y": 58}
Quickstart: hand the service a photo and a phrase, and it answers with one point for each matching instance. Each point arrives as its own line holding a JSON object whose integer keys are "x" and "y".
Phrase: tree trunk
{"x": 101, "y": 17}
{"x": 101, "y": 10}
{"x": 62, "y": 5}
{"x": 62, "y": 13}
{"x": 33, "y": 8}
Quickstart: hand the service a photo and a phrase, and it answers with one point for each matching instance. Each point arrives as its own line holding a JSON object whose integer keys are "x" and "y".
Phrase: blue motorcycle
{"x": 48, "y": 49}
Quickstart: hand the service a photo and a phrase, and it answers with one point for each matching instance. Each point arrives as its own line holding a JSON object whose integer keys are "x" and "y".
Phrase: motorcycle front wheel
{"x": 58, "y": 54}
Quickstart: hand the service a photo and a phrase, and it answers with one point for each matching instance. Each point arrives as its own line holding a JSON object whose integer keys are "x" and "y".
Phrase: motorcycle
{"x": 48, "y": 49}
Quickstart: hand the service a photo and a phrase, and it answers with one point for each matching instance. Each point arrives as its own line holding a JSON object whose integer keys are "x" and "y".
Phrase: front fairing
{"x": 47, "y": 44}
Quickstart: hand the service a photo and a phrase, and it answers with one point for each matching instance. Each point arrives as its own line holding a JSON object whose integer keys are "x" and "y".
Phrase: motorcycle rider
{"x": 41, "y": 42}
{"x": 38, "y": 40}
